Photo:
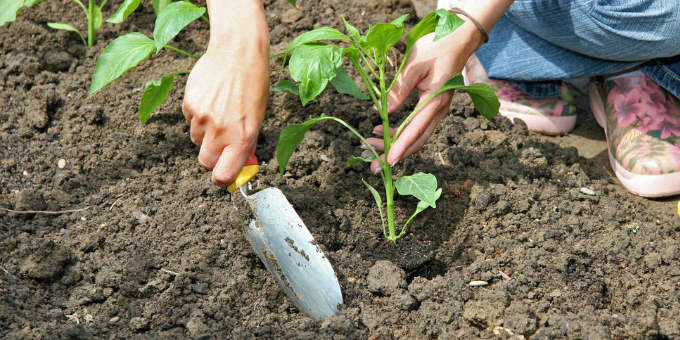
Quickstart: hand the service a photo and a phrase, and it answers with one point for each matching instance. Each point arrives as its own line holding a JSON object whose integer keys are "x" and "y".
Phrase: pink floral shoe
{"x": 553, "y": 116}
{"x": 642, "y": 124}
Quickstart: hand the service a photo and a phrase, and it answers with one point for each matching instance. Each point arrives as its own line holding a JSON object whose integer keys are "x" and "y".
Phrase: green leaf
{"x": 313, "y": 66}
{"x": 287, "y": 86}
{"x": 383, "y": 36}
{"x": 292, "y": 2}
{"x": 289, "y": 139}
{"x": 482, "y": 95}
{"x": 62, "y": 26}
{"x": 351, "y": 52}
{"x": 353, "y": 32}
{"x": 420, "y": 185}
{"x": 447, "y": 23}
{"x": 343, "y": 83}
{"x": 98, "y": 17}
{"x": 159, "y": 5}
{"x": 357, "y": 159}
{"x": 31, "y": 3}
{"x": 442, "y": 22}
{"x": 121, "y": 55}
{"x": 484, "y": 98}
{"x": 321, "y": 33}
{"x": 399, "y": 22}
{"x": 155, "y": 93}
{"x": 9, "y": 10}
{"x": 125, "y": 9}
{"x": 66, "y": 27}
{"x": 422, "y": 205}
{"x": 172, "y": 19}
{"x": 426, "y": 26}
{"x": 378, "y": 202}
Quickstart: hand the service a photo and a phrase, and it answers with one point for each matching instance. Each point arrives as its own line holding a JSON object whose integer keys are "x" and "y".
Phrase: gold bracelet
{"x": 485, "y": 33}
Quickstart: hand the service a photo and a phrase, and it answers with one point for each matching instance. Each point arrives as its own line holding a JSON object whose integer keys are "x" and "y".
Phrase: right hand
{"x": 224, "y": 102}
{"x": 429, "y": 66}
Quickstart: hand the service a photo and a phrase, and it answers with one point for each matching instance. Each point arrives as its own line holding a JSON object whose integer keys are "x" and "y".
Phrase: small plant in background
{"x": 127, "y": 51}
{"x": 314, "y": 64}
{"x": 93, "y": 12}
{"x": 10, "y": 8}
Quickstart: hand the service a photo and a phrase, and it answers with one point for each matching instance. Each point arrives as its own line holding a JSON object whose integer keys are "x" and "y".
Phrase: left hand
{"x": 429, "y": 66}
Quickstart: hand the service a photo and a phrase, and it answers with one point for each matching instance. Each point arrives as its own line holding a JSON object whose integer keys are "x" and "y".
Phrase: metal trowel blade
{"x": 287, "y": 248}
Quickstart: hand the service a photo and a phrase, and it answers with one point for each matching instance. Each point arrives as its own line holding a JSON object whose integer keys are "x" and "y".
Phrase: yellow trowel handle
{"x": 247, "y": 172}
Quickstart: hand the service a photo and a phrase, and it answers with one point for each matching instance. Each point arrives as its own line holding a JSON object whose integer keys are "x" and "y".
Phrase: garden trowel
{"x": 287, "y": 248}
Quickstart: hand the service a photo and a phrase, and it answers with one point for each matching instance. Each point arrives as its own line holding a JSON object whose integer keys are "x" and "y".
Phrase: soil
{"x": 154, "y": 250}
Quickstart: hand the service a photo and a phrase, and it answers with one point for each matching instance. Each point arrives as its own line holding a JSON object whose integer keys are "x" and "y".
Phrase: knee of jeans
{"x": 646, "y": 28}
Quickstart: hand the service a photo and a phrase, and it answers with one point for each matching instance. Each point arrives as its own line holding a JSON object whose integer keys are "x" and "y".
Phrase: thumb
{"x": 405, "y": 83}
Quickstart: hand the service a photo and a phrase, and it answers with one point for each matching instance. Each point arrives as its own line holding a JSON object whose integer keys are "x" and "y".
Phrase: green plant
{"x": 93, "y": 13}
{"x": 10, "y": 8}
{"x": 314, "y": 64}
{"x": 127, "y": 51}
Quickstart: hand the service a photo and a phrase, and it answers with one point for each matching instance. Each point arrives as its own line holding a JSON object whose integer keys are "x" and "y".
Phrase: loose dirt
{"x": 160, "y": 253}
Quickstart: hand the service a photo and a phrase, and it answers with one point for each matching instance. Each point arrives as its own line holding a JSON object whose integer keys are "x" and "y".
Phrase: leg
{"x": 542, "y": 40}
{"x": 614, "y": 30}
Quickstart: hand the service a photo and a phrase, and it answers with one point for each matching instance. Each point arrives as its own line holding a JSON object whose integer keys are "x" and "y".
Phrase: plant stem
{"x": 372, "y": 90}
{"x": 401, "y": 67}
{"x": 386, "y": 168}
{"x": 91, "y": 29}
{"x": 181, "y": 51}
{"x": 366, "y": 60}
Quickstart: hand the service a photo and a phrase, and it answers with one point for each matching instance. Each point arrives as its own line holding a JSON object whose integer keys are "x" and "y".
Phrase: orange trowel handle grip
{"x": 248, "y": 171}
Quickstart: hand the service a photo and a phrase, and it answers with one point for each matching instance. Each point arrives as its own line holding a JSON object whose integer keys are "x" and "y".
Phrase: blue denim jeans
{"x": 539, "y": 42}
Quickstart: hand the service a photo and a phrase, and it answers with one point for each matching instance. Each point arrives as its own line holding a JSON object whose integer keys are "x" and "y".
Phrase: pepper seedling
{"x": 93, "y": 12}
{"x": 128, "y": 51}
{"x": 316, "y": 59}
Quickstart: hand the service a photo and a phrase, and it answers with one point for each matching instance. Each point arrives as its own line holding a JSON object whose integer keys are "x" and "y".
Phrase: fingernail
{"x": 377, "y": 170}
{"x": 392, "y": 160}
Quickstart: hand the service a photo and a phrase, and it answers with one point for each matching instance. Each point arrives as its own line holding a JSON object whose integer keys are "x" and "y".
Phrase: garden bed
{"x": 156, "y": 250}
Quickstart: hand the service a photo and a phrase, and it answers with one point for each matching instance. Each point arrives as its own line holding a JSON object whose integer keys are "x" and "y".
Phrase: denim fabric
{"x": 539, "y": 41}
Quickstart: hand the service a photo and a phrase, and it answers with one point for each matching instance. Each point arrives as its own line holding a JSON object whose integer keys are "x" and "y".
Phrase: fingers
{"x": 230, "y": 163}
{"x": 406, "y": 82}
{"x": 197, "y": 131}
{"x": 375, "y": 165}
{"x": 378, "y": 130}
{"x": 210, "y": 151}
{"x": 187, "y": 111}
{"x": 224, "y": 158}
{"x": 376, "y": 143}
{"x": 419, "y": 129}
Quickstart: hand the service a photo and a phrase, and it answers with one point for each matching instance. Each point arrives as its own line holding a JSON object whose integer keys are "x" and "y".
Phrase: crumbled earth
{"x": 142, "y": 245}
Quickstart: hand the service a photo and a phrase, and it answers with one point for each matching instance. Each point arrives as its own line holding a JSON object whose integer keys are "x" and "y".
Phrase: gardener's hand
{"x": 429, "y": 66}
{"x": 226, "y": 94}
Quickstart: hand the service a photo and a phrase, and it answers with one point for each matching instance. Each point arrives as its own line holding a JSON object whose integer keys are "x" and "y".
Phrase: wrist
{"x": 237, "y": 23}
{"x": 468, "y": 38}
{"x": 486, "y": 12}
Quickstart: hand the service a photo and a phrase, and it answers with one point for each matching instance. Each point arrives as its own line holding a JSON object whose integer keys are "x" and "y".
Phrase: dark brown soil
{"x": 159, "y": 252}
